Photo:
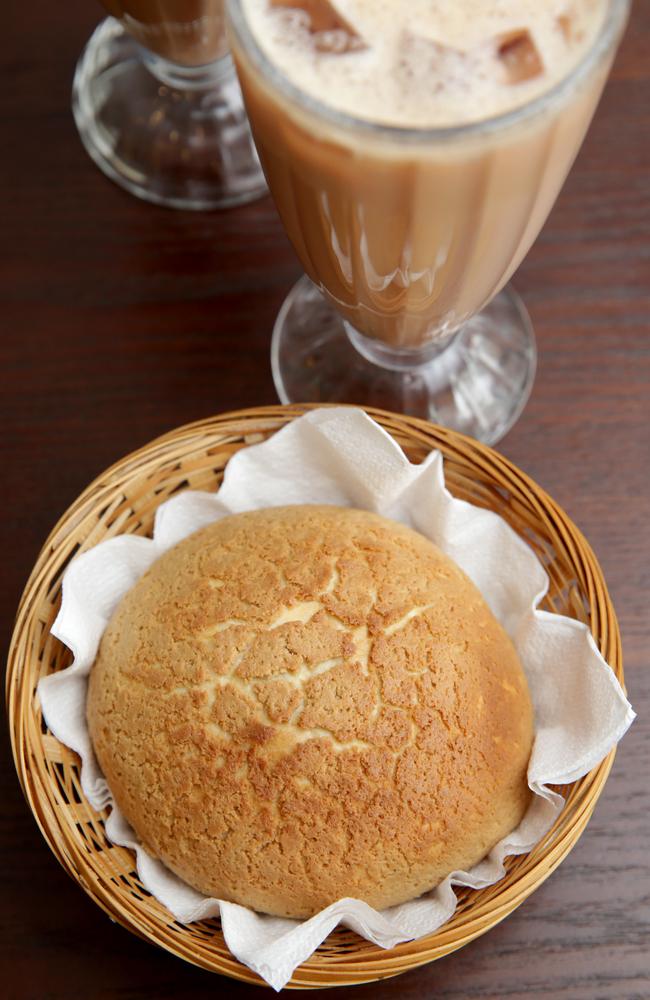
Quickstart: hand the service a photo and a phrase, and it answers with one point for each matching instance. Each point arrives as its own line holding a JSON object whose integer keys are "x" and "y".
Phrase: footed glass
{"x": 409, "y": 235}
{"x": 171, "y": 132}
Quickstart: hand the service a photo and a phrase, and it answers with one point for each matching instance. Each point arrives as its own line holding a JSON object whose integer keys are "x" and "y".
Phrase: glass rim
{"x": 612, "y": 27}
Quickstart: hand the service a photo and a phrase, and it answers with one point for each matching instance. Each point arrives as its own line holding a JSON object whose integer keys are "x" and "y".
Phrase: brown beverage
{"x": 408, "y": 183}
{"x": 188, "y": 32}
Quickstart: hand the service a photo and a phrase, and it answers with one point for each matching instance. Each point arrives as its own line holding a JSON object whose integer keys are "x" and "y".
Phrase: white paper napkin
{"x": 340, "y": 456}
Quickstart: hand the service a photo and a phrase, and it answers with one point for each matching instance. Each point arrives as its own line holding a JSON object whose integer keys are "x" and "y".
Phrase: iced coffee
{"x": 415, "y": 149}
{"x": 187, "y": 32}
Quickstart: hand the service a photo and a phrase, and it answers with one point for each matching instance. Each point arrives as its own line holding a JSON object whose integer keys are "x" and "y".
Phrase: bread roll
{"x": 300, "y": 704}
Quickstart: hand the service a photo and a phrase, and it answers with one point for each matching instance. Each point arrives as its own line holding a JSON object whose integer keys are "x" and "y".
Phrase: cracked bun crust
{"x": 304, "y": 703}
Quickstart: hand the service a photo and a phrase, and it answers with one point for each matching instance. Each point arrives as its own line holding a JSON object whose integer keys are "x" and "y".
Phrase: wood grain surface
{"x": 120, "y": 321}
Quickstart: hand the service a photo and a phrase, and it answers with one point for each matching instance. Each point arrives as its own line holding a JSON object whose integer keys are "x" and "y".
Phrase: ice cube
{"x": 519, "y": 56}
{"x": 571, "y": 24}
{"x": 331, "y": 32}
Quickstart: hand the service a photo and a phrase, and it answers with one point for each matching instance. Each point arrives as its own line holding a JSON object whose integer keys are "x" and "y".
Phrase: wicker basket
{"x": 124, "y": 499}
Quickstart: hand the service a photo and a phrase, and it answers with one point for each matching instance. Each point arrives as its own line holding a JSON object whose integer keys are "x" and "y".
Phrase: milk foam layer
{"x": 425, "y": 62}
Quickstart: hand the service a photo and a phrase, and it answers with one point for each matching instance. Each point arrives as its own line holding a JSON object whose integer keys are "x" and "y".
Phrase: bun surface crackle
{"x": 300, "y": 704}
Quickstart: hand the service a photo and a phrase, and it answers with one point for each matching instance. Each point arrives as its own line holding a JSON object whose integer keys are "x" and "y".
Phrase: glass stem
{"x": 398, "y": 359}
{"x": 189, "y": 78}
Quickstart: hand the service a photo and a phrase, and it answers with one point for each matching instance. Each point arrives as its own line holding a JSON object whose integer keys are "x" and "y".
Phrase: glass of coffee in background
{"x": 158, "y": 106}
{"x": 414, "y": 151}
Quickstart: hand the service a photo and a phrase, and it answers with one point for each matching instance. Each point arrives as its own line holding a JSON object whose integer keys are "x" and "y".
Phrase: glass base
{"x": 172, "y": 135}
{"x": 477, "y": 384}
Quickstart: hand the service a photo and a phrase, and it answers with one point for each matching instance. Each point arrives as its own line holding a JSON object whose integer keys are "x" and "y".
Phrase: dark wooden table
{"x": 120, "y": 321}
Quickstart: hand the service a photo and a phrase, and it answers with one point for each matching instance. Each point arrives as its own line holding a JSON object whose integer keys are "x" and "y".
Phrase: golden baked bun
{"x": 304, "y": 703}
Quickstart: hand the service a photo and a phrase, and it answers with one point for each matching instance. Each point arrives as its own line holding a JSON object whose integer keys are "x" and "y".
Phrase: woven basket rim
{"x": 350, "y": 964}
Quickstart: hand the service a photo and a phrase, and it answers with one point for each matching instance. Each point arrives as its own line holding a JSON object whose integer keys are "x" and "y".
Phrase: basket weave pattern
{"x": 124, "y": 500}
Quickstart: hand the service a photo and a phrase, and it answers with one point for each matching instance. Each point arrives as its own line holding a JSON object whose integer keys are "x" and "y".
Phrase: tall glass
{"x": 408, "y": 236}
{"x": 159, "y": 109}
